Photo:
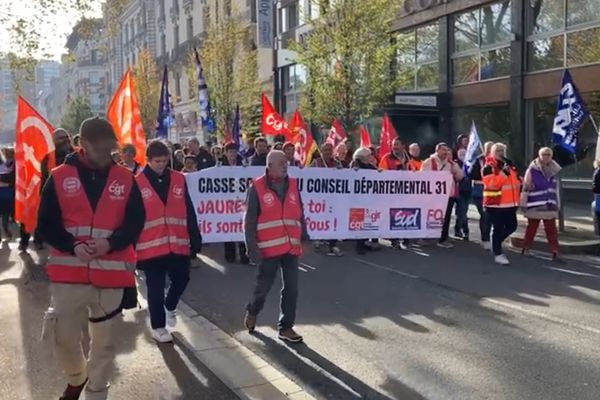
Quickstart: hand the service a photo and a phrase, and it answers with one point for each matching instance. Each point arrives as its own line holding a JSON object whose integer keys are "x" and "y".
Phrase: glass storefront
{"x": 481, "y": 44}
{"x": 492, "y": 122}
{"x": 562, "y": 33}
{"x": 293, "y": 78}
{"x": 418, "y": 59}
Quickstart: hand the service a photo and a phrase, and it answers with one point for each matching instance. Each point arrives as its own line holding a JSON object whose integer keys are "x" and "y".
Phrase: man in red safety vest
{"x": 275, "y": 229}
{"x": 91, "y": 214}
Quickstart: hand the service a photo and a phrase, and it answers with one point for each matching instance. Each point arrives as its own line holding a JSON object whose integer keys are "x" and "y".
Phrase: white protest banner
{"x": 338, "y": 203}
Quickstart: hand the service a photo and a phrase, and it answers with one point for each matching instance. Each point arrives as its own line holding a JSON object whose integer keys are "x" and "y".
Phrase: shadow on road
{"x": 328, "y": 380}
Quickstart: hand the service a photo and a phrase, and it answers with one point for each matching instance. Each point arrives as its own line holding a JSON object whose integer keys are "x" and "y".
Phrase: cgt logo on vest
{"x": 405, "y": 219}
{"x": 116, "y": 190}
{"x": 435, "y": 219}
{"x": 146, "y": 193}
{"x": 178, "y": 191}
{"x": 71, "y": 186}
{"x": 364, "y": 219}
{"x": 269, "y": 199}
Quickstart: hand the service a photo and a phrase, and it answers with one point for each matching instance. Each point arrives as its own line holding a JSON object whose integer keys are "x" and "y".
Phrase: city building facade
{"x": 496, "y": 63}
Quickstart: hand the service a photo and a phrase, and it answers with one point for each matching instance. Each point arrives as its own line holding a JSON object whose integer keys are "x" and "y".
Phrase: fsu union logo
{"x": 116, "y": 190}
{"x": 405, "y": 219}
{"x": 364, "y": 219}
{"x": 146, "y": 193}
{"x": 177, "y": 191}
{"x": 268, "y": 199}
{"x": 71, "y": 185}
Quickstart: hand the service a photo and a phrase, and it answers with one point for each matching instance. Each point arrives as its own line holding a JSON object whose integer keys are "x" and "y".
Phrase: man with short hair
{"x": 395, "y": 160}
{"x": 441, "y": 160}
{"x": 326, "y": 159}
{"x": 203, "y": 157}
{"x": 91, "y": 214}
{"x": 290, "y": 152}
{"x": 128, "y": 154}
{"x": 275, "y": 229}
{"x": 261, "y": 150}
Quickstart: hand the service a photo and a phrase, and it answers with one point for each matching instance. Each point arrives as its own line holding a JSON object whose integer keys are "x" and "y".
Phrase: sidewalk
{"x": 578, "y": 238}
{"x": 142, "y": 370}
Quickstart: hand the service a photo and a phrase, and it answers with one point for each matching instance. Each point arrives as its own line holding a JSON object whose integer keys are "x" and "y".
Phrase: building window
{"x": 190, "y": 28}
{"x": 175, "y": 36}
{"x": 481, "y": 47}
{"x": 492, "y": 121}
{"x": 94, "y": 56}
{"x": 418, "y": 59}
{"x": 562, "y": 33}
{"x": 288, "y": 18}
{"x": 94, "y": 78}
{"x": 161, "y": 8}
{"x": 163, "y": 44}
{"x": 177, "y": 85}
{"x": 293, "y": 79}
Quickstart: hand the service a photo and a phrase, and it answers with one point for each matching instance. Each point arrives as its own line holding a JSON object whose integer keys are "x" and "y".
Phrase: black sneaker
{"x": 290, "y": 335}
{"x": 244, "y": 259}
{"x": 250, "y": 322}
{"x": 72, "y": 392}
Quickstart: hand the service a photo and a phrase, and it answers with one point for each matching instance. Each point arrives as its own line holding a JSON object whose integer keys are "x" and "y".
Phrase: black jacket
{"x": 238, "y": 162}
{"x": 258, "y": 160}
{"x": 50, "y": 222}
{"x": 160, "y": 184}
{"x": 474, "y": 171}
{"x": 205, "y": 160}
{"x": 596, "y": 181}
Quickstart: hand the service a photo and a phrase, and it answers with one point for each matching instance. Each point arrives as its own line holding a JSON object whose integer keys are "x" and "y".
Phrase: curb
{"x": 246, "y": 374}
{"x": 588, "y": 247}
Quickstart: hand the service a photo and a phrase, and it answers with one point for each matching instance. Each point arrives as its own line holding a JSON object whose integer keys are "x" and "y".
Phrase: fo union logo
{"x": 364, "y": 219}
{"x": 116, "y": 190}
{"x": 405, "y": 219}
{"x": 435, "y": 219}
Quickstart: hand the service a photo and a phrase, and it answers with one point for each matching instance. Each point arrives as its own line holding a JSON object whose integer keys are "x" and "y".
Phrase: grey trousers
{"x": 267, "y": 270}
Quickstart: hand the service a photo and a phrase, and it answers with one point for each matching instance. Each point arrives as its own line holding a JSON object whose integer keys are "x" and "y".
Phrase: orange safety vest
{"x": 279, "y": 228}
{"x": 113, "y": 270}
{"x": 165, "y": 231}
{"x": 414, "y": 164}
{"x": 391, "y": 162}
{"x": 499, "y": 190}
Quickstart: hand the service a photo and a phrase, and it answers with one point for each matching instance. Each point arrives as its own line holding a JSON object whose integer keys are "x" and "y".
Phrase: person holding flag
{"x": 501, "y": 198}
{"x": 474, "y": 173}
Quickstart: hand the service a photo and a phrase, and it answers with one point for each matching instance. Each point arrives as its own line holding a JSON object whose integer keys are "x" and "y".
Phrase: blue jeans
{"x": 462, "y": 221}
{"x": 484, "y": 219}
{"x": 267, "y": 270}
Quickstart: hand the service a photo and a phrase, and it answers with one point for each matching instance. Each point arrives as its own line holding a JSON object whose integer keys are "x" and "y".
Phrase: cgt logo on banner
{"x": 435, "y": 219}
{"x": 405, "y": 219}
{"x": 364, "y": 219}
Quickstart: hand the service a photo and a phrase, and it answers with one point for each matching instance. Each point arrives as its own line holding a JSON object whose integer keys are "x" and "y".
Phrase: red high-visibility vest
{"x": 279, "y": 229}
{"x": 165, "y": 231}
{"x": 113, "y": 270}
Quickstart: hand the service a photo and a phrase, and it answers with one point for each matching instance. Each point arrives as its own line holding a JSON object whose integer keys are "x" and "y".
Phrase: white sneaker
{"x": 487, "y": 246}
{"x": 335, "y": 252}
{"x": 161, "y": 335}
{"x": 171, "y": 317}
{"x": 403, "y": 245}
{"x": 501, "y": 259}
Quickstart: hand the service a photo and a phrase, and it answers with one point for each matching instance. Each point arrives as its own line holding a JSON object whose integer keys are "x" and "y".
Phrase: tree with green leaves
{"x": 78, "y": 110}
{"x": 348, "y": 57}
{"x": 147, "y": 86}
{"x": 231, "y": 72}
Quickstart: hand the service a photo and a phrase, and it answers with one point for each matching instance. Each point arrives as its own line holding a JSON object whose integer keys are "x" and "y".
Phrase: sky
{"x": 54, "y": 30}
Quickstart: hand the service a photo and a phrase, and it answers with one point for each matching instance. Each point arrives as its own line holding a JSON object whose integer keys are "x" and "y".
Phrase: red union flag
{"x": 337, "y": 133}
{"x": 388, "y": 134}
{"x": 33, "y": 143}
{"x": 303, "y": 139}
{"x": 273, "y": 123}
{"x": 365, "y": 137}
{"x": 126, "y": 119}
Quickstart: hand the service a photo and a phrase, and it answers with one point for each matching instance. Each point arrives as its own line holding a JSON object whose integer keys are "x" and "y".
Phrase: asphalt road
{"x": 142, "y": 370}
{"x": 427, "y": 323}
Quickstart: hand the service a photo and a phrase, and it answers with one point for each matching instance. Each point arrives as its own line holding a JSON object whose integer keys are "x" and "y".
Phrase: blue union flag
{"x": 570, "y": 115}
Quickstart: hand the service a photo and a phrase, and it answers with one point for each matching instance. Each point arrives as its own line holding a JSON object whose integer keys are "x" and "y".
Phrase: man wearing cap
{"x": 275, "y": 229}
{"x": 91, "y": 214}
